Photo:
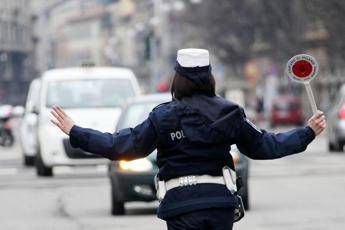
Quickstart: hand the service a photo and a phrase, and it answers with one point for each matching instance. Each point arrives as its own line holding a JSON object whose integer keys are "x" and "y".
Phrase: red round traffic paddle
{"x": 303, "y": 68}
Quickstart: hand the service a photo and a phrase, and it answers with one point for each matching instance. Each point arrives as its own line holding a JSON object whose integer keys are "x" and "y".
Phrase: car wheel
{"x": 29, "y": 160}
{"x": 245, "y": 201}
{"x": 331, "y": 147}
{"x": 117, "y": 206}
{"x": 41, "y": 168}
{"x": 243, "y": 192}
{"x": 338, "y": 147}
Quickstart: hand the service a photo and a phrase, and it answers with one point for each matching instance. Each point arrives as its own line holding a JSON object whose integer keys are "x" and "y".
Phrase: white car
{"x": 28, "y": 128}
{"x": 92, "y": 97}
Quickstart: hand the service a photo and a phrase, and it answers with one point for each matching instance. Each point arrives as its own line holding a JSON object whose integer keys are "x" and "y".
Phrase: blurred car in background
{"x": 336, "y": 123}
{"x": 18, "y": 111}
{"x": 28, "y": 127}
{"x": 134, "y": 180}
{"x": 93, "y": 97}
{"x": 286, "y": 109}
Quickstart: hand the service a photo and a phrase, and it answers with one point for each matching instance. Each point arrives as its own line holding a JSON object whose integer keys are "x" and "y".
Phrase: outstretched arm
{"x": 127, "y": 144}
{"x": 259, "y": 144}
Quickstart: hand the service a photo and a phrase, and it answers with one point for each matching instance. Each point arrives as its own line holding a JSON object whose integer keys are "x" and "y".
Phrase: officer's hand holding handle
{"x": 62, "y": 120}
{"x": 317, "y": 122}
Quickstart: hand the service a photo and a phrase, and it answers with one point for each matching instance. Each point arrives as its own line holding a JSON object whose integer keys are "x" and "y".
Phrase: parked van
{"x": 92, "y": 97}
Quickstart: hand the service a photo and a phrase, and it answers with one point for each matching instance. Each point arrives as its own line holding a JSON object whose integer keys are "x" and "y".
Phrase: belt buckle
{"x": 187, "y": 180}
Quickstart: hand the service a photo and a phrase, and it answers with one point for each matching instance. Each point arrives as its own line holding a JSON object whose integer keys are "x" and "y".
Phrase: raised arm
{"x": 259, "y": 144}
{"x": 127, "y": 144}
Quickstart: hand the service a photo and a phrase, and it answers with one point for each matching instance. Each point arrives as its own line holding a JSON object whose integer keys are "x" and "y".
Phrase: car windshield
{"x": 137, "y": 113}
{"x": 89, "y": 93}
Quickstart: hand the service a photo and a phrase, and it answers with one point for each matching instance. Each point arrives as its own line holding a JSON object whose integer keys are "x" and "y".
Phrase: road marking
{"x": 8, "y": 171}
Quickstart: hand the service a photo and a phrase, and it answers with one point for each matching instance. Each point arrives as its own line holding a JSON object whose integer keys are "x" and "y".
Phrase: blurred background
{"x": 250, "y": 42}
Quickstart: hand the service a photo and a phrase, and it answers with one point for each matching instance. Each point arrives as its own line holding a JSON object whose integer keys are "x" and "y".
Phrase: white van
{"x": 28, "y": 127}
{"x": 92, "y": 97}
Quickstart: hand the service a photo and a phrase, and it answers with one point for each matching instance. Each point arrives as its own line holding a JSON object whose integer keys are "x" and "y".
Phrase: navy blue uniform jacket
{"x": 193, "y": 137}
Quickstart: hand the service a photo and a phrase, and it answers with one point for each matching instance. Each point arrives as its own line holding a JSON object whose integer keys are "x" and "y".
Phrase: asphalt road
{"x": 301, "y": 192}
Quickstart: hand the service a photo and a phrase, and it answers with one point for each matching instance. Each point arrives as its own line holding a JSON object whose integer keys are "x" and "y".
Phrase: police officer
{"x": 192, "y": 135}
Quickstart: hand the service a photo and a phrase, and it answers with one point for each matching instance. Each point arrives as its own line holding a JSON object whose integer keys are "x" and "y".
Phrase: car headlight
{"x": 139, "y": 165}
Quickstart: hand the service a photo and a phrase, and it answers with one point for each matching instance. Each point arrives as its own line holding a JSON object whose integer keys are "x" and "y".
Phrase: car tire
{"x": 336, "y": 147}
{"x": 340, "y": 146}
{"x": 331, "y": 147}
{"x": 29, "y": 160}
{"x": 41, "y": 168}
{"x": 117, "y": 206}
{"x": 245, "y": 200}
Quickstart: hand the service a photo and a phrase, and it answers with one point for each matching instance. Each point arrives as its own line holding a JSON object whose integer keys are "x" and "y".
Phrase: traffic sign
{"x": 303, "y": 68}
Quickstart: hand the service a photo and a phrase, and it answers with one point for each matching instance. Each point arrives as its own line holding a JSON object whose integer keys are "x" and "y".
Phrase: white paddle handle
{"x": 310, "y": 97}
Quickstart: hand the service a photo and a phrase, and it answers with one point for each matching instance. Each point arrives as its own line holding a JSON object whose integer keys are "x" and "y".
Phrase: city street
{"x": 158, "y": 66}
{"x": 303, "y": 192}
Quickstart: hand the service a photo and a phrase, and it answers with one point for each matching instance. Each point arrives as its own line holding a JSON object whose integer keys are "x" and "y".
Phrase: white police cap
{"x": 193, "y": 57}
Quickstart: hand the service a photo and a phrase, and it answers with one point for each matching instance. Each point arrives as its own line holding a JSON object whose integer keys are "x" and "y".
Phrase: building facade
{"x": 16, "y": 45}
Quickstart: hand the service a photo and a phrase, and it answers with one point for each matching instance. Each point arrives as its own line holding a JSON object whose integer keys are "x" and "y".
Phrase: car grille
{"x": 76, "y": 153}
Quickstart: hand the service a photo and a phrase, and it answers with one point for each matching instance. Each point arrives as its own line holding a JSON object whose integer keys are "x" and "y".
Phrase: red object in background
{"x": 287, "y": 110}
{"x": 162, "y": 86}
{"x": 8, "y": 124}
{"x": 302, "y": 69}
{"x": 341, "y": 113}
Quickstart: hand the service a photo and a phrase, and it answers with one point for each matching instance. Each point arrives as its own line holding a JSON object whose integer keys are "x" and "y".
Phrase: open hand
{"x": 62, "y": 120}
{"x": 317, "y": 122}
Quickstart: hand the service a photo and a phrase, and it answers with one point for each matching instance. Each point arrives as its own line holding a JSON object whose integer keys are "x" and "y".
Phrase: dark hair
{"x": 183, "y": 87}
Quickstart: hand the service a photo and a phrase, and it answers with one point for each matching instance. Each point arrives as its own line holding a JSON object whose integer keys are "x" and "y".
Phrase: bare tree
{"x": 331, "y": 15}
{"x": 226, "y": 26}
{"x": 232, "y": 27}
